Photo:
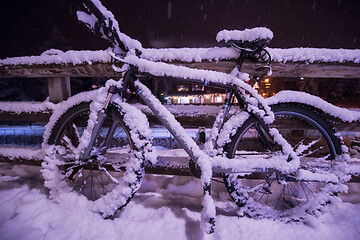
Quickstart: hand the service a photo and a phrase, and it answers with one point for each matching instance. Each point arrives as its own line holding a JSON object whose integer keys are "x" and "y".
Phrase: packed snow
{"x": 165, "y": 207}
{"x": 14, "y": 152}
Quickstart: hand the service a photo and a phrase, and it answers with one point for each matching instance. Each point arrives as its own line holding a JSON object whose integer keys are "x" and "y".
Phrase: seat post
{"x": 243, "y": 55}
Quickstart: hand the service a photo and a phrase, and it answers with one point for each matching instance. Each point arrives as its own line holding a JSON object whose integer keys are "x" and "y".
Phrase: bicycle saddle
{"x": 248, "y": 39}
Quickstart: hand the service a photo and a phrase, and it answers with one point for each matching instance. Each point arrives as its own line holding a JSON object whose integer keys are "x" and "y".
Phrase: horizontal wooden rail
{"x": 58, "y": 70}
{"x": 150, "y": 169}
{"x": 166, "y": 165}
{"x": 40, "y": 117}
{"x": 289, "y": 69}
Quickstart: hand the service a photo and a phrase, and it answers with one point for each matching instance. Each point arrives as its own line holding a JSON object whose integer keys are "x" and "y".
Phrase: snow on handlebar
{"x": 103, "y": 23}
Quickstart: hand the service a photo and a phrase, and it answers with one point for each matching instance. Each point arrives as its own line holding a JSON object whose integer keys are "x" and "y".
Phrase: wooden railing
{"x": 59, "y": 80}
{"x": 59, "y": 75}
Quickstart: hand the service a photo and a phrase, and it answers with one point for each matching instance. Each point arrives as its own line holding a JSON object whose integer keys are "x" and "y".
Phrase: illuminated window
{"x": 219, "y": 99}
{"x": 184, "y": 100}
{"x": 183, "y": 88}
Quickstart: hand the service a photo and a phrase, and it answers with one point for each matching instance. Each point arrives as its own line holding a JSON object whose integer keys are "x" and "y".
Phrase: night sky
{"x": 29, "y": 27}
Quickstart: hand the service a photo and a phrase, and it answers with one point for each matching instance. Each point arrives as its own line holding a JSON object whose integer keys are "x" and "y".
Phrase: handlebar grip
{"x": 94, "y": 10}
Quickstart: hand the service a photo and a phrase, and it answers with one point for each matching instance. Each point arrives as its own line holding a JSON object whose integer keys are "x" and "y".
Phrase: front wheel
{"x": 111, "y": 175}
{"x": 273, "y": 194}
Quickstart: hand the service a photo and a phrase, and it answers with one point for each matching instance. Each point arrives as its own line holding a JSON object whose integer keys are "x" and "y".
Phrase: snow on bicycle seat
{"x": 248, "y": 38}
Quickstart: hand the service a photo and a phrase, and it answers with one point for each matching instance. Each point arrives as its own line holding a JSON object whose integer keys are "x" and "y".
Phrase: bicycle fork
{"x": 99, "y": 123}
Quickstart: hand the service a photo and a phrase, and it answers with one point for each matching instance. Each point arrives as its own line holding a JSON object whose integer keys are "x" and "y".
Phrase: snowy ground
{"x": 166, "y": 207}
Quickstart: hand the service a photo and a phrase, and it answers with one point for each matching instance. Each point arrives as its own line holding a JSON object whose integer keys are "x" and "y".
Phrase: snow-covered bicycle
{"x": 278, "y": 158}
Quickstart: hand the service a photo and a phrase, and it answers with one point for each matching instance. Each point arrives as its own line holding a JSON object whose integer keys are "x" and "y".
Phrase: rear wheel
{"x": 272, "y": 193}
{"x": 109, "y": 177}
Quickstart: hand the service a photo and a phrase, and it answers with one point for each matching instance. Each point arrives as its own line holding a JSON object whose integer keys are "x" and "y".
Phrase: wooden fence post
{"x": 59, "y": 89}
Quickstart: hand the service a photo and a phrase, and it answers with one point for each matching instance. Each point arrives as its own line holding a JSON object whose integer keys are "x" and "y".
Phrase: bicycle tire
{"x": 102, "y": 180}
{"x": 287, "y": 196}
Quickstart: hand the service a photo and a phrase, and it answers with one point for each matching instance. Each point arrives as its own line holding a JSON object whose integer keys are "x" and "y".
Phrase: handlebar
{"x": 107, "y": 27}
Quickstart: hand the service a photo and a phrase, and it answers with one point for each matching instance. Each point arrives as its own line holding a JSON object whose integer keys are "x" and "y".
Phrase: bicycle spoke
{"x": 91, "y": 183}
{"x": 261, "y": 196}
{"x": 316, "y": 150}
{"x": 76, "y": 177}
{"x": 101, "y": 183}
{"x": 104, "y": 188}
{"x": 85, "y": 182}
{"x": 302, "y": 186}
{"x": 258, "y": 188}
{"x": 309, "y": 188}
{"x": 267, "y": 198}
{"x": 305, "y": 147}
{"x": 293, "y": 194}
{"x": 279, "y": 197}
{"x": 82, "y": 186}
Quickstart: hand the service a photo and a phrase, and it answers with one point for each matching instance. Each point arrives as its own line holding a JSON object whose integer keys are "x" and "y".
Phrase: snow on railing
{"x": 54, "y": 56}
{"x": 26, "y": 107}
{"x": 178, "y": 110}
{"x": 309, "y": 55}
{"x": 196, "y": 111}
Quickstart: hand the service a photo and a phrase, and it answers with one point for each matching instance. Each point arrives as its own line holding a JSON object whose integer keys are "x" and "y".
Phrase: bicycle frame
{"x": 131, "y": 81}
